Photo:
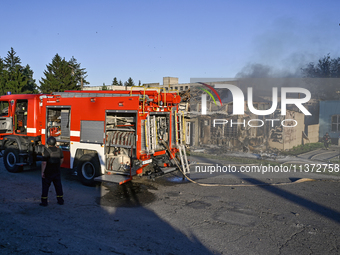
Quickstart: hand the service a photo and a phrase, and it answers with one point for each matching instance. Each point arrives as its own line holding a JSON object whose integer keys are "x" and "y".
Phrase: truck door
{"x": 21, "y": 117}
{"x": 5, "y": 118}
{"x": 58, "y": 125}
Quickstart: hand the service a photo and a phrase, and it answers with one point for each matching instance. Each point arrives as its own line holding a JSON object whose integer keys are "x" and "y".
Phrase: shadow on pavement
{"x": 143, "y": 229}
{"x": 318, "y": 208}
{"x": 313, "y": 206}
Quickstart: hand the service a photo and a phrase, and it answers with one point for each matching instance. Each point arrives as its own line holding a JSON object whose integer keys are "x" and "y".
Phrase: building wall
{"x": 169, "y": 84}
{"x": 327, "y": 110}
{"x": 180, "y": 87}
{"x": 313, "y": 133}
{"x": 291, "y": 136}
{"x": 169, "y": 81}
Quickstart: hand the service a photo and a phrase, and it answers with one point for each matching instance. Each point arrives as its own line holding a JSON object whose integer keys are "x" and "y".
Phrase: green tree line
{"x": 115, "y": 82}
{"x": 325, "y": 68}
{"x": 129, "y": 82}
{"x": 60, "y": 75}
{"x": 15, "y": 77}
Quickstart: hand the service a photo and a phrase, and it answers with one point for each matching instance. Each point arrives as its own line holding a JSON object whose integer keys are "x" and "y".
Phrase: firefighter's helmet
{"x": 51, "y": 141}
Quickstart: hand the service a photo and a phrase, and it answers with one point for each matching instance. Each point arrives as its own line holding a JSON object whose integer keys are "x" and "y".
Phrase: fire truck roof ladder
{"x": 79, "y": 94}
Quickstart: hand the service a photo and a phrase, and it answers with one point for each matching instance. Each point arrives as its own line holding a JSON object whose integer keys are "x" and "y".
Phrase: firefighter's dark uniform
{"x": 326, "y": 140}
{"x": 52, "y": 156}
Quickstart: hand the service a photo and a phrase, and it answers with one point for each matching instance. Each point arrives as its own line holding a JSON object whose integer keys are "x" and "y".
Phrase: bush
{"x": 296, "y": 150}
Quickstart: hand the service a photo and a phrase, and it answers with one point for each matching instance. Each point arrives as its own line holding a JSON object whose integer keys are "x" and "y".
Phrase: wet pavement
{"x": 132, "y": 194}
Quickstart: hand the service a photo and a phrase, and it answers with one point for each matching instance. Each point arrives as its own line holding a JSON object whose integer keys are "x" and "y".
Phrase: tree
{"x": 115, "y": 82}
{"x": 120, "y": 83}
{"x": 79, "y": 73}
{"x": 12, "y": 61}
{"x": 325, "y": 68}
{"x": 59, "y": 76}
{"x": 2, "y": 78}
{"x": 15, "y": 81}
{"x": 104, "y": 87}
{"x": 139, "y": 83}
{"x": 31, "y": 86}
{"x": 129, "y": 82}
{"x": 14, "y": 77}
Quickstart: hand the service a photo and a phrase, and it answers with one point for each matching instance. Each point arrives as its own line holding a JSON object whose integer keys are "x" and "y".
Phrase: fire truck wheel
{"x": 11, "y": 158}
{"x": 88, "y": 168}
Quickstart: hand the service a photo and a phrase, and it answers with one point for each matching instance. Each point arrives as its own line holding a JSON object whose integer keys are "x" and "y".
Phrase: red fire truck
{"x": 104, "y": 135}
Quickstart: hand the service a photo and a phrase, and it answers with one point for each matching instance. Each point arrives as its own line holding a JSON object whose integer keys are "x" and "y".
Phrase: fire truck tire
{"x": 88, "y": 168}
{"x": 11, "y": 158}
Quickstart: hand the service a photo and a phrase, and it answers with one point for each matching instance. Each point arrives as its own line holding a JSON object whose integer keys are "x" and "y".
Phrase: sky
{"x": 148, "y": 40}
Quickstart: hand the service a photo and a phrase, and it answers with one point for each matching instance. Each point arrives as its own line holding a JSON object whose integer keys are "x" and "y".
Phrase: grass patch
{"x": 335, "y": 160}
{"x": 296, "y": 150}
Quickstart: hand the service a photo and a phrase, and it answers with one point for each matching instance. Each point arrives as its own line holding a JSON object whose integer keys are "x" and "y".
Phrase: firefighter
{"x": 326, "y": 140}
{"x": 50, "y": 171}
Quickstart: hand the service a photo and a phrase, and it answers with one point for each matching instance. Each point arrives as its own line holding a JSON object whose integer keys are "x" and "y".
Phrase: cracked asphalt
{"x": 172, "y": 216}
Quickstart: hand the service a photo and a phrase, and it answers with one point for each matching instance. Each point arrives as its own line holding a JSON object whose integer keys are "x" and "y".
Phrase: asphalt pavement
{"x": 233, "y": 213}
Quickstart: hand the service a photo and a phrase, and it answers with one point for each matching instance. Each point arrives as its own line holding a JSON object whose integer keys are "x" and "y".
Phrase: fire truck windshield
{"x": 4, "y": 108}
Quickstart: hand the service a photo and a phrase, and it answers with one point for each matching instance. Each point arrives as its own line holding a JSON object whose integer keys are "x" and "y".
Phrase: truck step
{"x": 115, "y": 178}
{"x": 21, "y": 164}
{"x": 168, "y": 169}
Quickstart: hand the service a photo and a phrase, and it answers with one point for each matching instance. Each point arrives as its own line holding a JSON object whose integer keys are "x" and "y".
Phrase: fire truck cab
{"x": 19, "y": 129}
{"x": 104, "y": 135}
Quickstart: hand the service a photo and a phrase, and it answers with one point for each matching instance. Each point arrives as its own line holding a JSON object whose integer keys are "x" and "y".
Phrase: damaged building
{"x": 219, "y": 128}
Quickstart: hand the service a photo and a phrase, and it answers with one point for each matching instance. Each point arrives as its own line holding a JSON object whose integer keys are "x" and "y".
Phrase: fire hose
{"x": 233, "y": 185}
